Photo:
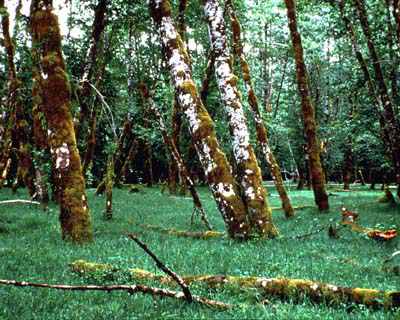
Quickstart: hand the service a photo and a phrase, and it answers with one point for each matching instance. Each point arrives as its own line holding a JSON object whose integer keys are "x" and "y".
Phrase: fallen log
{"x": 183, "y": 233}
{"x": 131, "y": 289}
{"x": 277, "y": 287}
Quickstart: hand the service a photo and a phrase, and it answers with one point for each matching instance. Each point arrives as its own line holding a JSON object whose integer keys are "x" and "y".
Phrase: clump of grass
{"x": 32, "y": 250}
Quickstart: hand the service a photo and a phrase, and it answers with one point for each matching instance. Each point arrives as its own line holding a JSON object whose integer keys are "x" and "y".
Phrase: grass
{"x": 31, "y": 249}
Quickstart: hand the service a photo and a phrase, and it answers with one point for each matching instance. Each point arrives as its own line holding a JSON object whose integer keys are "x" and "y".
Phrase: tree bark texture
{"x": 310, "y": 126}
{"x": 262, "y": 137}
{"x": 280, "y": 287}
{"x": 201, "y": 127}
{"x": 246, "y": 167}
{"x": 20, "y": 131}
{"x": 98, "y": 26}
{"x": 55, "y": 90}
{"x": 391, "y": 122}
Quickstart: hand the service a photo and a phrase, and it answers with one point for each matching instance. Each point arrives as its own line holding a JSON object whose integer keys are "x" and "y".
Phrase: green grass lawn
{"x": 31, "y": 249}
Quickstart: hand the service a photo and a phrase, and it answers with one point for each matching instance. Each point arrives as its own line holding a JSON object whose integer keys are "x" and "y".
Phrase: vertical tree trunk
{"x": 15, "y": 107}
{"x": 247, "y": 169}
{"x": 55, "y": 93}
{"x": 201, "y": 127}
{"x": 262, "y": 137}
{"x": 108, "y": 214}
{"x": 391, "y": 121}
{"x": 313, "y": 148}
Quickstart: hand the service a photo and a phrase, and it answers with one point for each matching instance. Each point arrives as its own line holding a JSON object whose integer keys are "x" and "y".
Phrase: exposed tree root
{"x": 183, "y": 233}
{"x": 131, "y": 289}
{"x": 283, "y": 288}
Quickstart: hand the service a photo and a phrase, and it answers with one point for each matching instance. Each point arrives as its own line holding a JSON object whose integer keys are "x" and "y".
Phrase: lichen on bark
{"x": 247, "y": 169}
{"x": 213, "y": 160}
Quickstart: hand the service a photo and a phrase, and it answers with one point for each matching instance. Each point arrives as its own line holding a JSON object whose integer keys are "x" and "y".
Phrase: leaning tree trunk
{"x": 391, "y": 122}
{"x": 85, "y": 90}
{"x": 201, "y": 127}
{"x": 262, "y": 137}
{"x": 313, "y": 147}
{"x": 247, "y": 170}
{"x": 55, "y": 94}
{"x": 175, "y": 155}
{"x": 396, "y": 14}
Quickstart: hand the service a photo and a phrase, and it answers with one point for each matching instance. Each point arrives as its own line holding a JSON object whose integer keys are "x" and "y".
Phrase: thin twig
{"x": 19, "y": 201}
{"x": 164, "y": 268}
{"x": 131, "y": 289}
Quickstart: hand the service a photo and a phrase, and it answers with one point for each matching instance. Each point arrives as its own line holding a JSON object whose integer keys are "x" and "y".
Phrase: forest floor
{"x": 31, "y": 249}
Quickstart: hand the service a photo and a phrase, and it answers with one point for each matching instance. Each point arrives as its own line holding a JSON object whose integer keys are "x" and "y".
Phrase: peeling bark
{"x": 201, "y": 127}
{"x": 262, "y": 137}
{"x": 310, "y": 126}
{"x": 55, "y": 93}
{"x": 247, "y": 170}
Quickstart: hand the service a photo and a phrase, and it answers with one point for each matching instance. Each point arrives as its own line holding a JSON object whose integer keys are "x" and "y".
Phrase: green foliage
{"x": 33, "y": 250}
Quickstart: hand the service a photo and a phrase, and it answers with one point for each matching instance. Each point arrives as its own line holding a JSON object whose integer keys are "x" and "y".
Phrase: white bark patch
{"x": 250, "y": 193}
{"x": 225, "y": 189}
{"x": 225, "y": 79}
{"x": 314, "y": 286}
{"x": 332, "y": 287}
{"x": 62, "y": 157}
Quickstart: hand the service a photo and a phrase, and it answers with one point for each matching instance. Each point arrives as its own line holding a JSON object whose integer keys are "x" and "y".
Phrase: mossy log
{"x": 183, "y": 233}
{"x": 278, "y": 287}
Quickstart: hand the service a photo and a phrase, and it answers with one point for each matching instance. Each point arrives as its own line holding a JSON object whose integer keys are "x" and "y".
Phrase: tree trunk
{"x": 98, "y": 26}
{"x": 313, "y": 147}
{"x": 201, "y": 127}
{"x": 55, "y": 94}
{"x": 108, "y": 214}
{"x": 262, "y": 137}
{"x": 15, "y": 107}
{"x": 391, "y": 122}
{"x": 246, "y": 167}
{"x": 183, "y": 172}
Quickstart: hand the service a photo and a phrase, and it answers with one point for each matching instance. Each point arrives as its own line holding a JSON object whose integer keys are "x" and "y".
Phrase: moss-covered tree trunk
{"x": 310, "y": 126}
{"x": 89, "y": 66}
{"x": 55, "y": 93}
{"x": 108, "y": 214}
{"x": 175, "y": 155}
{"x": 262, "y": 137}
{"x": 15, "y": 107}
{"x": 201, "y": 127}
{"x": 247, "y": 169}
{"x": 391, "y": 122}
